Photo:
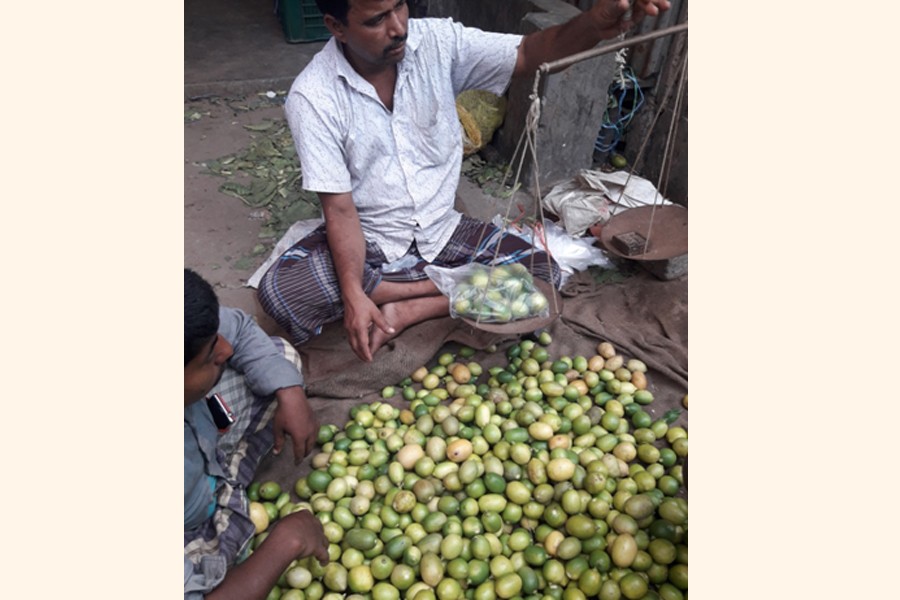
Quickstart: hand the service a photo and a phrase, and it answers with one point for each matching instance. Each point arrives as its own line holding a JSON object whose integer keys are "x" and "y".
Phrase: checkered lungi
{"x": 301, "y": 290}
{"x": 225, "y": 538}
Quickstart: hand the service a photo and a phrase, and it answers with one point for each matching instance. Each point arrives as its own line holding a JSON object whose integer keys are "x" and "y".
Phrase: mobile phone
{"x": 222, "y": 414}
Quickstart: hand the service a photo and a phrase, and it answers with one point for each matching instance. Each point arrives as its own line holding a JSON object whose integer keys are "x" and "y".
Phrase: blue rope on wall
{"x": 613, "y": 129}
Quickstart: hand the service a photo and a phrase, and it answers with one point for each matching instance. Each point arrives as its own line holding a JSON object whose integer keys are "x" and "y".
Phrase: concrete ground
{"x": 234, "y": 47}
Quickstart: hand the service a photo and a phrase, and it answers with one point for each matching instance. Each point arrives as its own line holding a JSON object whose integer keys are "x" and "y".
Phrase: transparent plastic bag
{"x": 572, "y": 254}
{"x": 486, "y": 294}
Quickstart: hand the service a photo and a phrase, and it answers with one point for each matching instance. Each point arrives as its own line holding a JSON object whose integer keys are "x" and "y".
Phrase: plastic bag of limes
{"x": 490, "y": 294}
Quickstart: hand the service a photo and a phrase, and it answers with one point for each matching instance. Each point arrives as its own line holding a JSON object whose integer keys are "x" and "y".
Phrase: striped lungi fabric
{"x": 301, "y": 291}
{"x": 225, "y": 538}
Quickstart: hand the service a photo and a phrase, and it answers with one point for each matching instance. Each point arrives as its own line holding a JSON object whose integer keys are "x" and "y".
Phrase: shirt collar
{"x": 342, "y": 68}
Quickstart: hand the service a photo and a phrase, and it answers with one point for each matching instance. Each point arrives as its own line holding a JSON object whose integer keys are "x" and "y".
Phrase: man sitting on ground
{"x": 374, "y": 120}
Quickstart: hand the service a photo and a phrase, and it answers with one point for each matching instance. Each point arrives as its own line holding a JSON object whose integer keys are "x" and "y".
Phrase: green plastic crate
{"x": 301, "y": 21}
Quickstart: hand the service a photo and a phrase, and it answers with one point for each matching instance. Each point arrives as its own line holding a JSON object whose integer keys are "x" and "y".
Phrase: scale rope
{"x": 528, "y": 140}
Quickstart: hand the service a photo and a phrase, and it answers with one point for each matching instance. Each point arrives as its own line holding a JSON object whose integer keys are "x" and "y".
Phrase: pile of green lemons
{"x": 545, "y": 479}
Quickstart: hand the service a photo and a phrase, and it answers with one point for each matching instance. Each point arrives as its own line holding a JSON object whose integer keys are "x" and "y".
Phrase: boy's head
{"x": 205, "y": 351}
{"x": 201, "y": 314}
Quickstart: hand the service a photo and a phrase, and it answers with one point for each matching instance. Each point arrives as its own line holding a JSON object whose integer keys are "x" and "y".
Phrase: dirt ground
{"x": 221, "y": 234}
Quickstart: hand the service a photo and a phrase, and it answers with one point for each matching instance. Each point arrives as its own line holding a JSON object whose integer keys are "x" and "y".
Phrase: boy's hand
{"x": 295, "y": 417}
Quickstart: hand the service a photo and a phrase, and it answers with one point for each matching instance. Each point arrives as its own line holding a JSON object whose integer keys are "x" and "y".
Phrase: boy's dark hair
{"x": 201, "y": 314}
{"x": 336, "y": 8}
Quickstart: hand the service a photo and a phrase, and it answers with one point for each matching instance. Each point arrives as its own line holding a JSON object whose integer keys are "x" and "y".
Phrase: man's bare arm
{"x": 348, "y": 251}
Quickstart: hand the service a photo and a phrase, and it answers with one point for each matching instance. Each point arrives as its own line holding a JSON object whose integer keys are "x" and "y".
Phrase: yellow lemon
{"x": 260, "y": 516}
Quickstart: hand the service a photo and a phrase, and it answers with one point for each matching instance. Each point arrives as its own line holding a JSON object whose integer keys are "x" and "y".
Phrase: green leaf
{"x": 671, "y": 416}
{"x": 234, "y": 189}
{"x": 270, "y": 177}
{"x": 263, "y": 126}
{"x": 300, "y": 211}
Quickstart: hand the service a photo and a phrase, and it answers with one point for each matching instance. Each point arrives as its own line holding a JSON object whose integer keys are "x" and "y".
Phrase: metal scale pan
{"x": 666, "y": 239}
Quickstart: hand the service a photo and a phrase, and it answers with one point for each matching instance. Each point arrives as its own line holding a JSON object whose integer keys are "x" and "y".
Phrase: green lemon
{"x": 253, "y": 491}
{"x": 269, "y": 490}
{"x": 382, "y": 566}
{"x": 360, "y": 579}
{"x": 667, "y": 591}
{"x": 633, "y": 586}
{"x": 641, "y": 418}
{"x": 589, "y": 583}
{"x": 535, "y": 555}
{"x": 385, "y": 591}
{"x": 600, "y": 560}
{"x": 494, "y": 483}
{"x": 508, "y": 585}
{"x": 678, "y": 576}
{"x": 660, "y": 528}
{"x": 667, "y": 457}
{"x": 360, "y": 539}
{"x": 458, "y": 568}
{"x": 335, "y": 577}
{"x": 274, "y": 593}
{"x": 478, "y": 571}
{"x": 403, "y": 576}
{"x": 318, "y": 480}
{"x": 325, "y": 434}
{"x": 618, "y": 161}
{"x": 449, "y": 589}
{"x": 669, "y": 485}
{"x": 662, "y": 550}
{"x": 569, "y": 548}
{"x": 581, "y": 526}
{"x": 271, "y": 510}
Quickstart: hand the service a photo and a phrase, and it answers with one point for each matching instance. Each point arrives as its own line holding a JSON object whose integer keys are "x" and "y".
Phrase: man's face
{"x": 206, "y": 368}
{"x": 375, "y": 33}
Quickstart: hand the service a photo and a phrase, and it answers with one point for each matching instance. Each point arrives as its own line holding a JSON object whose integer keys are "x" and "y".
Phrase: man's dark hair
{"x": 201, "y": 314}
{"x": 336, "y": 8}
